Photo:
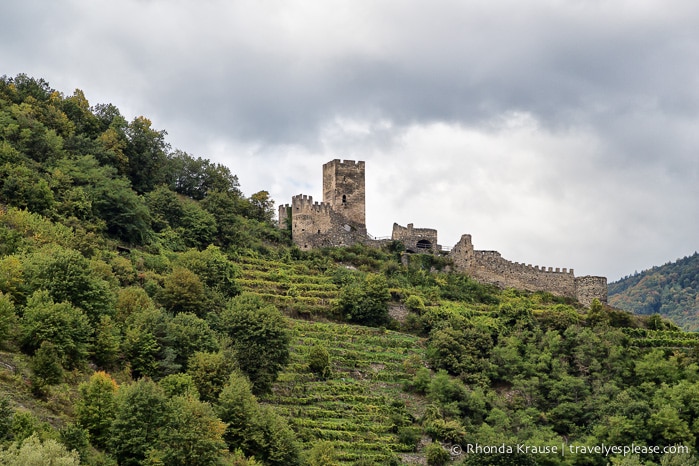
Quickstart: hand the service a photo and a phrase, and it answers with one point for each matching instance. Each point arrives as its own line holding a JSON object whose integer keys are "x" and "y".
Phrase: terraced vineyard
{"x": 361, "y": 405}
{"x": 646, "y": 338}
{"x": 294, "y": 288}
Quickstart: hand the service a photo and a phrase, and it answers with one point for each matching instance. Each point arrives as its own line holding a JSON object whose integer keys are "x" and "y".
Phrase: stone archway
{"x": 423, "y": 245}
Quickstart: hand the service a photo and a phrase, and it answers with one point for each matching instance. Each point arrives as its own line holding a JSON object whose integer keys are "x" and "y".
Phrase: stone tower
{"x": 344, "y": 191}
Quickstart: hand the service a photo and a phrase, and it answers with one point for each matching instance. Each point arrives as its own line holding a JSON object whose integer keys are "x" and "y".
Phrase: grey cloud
{"x": 426, "y": 93}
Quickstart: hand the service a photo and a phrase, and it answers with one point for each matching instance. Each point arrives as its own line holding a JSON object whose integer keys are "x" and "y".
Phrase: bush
{"x": 436, "y": 455}
{"x": 366, "y": 302}
{"x": 318, "y": 360}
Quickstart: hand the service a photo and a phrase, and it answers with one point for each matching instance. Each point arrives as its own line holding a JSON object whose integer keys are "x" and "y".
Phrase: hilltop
{"x": 670, "y": 290}
{"x": 152, "y": 313}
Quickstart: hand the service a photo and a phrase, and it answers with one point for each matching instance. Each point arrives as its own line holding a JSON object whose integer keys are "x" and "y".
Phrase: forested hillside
{"x": 671, "y": 290}
{"x": 152, "y": 314}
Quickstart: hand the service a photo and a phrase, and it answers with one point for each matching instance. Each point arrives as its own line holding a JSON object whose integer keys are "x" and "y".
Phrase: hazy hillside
{"x": 152, "y": 314}
{"x": 671, "y": 290}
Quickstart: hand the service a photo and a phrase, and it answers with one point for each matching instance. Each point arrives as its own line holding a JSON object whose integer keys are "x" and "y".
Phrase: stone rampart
{"x": 491, "y": 267}
{"x": 589, "y": 288}
{"x": 415, "y": 239}
{"x": 317, "y": 224}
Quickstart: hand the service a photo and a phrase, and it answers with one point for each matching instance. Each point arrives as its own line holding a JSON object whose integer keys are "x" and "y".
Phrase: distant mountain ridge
{"x": 671, "y": 290}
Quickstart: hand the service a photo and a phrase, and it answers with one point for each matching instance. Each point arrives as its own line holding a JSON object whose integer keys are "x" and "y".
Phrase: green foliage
{"x": 8, "y": 320}
{"x": 196, "y": 178}
{"x": 76, "y": 438}
{"x": 367, "y": 302}
{"x": 179, "y": 385}
{"x": 191, "y": 434}
{"x": 6, "y": 413}
{"x": 187, "y": 334}
{"x": 141, "y": 411}
{"x": 46, "y": 367}
{"x": 183, "y": 291}
{"x": 236, "y": 407}
{"x": 319, "y": 361}
{"x": 97, "y": 408}
{"x": 436, "y": 455}
{"x": 322, "y": 454}
{"x": 260, "y": 339}
{"x": 415, "y": 303}
{"x": 33, "y": 452}
{"x": 69, "y": 277}
{"x": 106, "y": 347}
{"x": 668, "y": 290}
{"x": 209, "y": 372}
{"x": 216, "y": 272}
{"x": 62, "y": 325}
{"x": 254, "y": 429}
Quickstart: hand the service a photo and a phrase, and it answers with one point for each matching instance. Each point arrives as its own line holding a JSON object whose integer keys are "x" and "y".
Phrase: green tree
{"x": 179, "y": 385}
{"x": 146, "y": 152}
{"x": 8, "y": 320}
{"x": 196, "y": 178}
{"x": 210, "y": 372}
{"x": 214, "y": 269}
{"x": 141, "y": 411}
{"x": 107, "y": 343}
{"x": 191, "y": 434}
{"x": 6, "y": 414}
{"x": 260, "y": 338}
{"x": 366, "y": 302}
{"x": 262, "y": 206}
{"x": 76, "y": 438}
{"x": 63, "y": 325}
{"x": 68, "y": 276}
{"x": 187, "y": 334}
{"x": 34, "y": 452}
{"x": 236, "y": 407}
{"x": 96, "y": 408}
{"x": 125, "y": 213}
{"x": 46, "y": 367}
{"x": 183, "y": 291}
{"x": 436, "y": 455}
{"x": 253, "y": 429}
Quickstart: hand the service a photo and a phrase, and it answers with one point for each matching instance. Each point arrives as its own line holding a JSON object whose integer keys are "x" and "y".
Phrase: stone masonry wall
{"x": 590, "y": 287}
{"x": 410, "y": 237}
{"x": 316, "y": 224}
{"x": 344, "y": 189}
{"x": 490, "y": 267}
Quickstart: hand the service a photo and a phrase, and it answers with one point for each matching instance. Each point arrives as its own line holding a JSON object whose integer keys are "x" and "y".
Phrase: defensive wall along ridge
{"x": 340, "y": 220}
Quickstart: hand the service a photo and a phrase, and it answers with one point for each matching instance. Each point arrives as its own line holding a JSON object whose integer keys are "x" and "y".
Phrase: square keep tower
{"x": 343, "y": 189}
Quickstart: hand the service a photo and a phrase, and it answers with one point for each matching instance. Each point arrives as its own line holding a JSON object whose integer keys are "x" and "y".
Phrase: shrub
{"x": 318, "y": 360}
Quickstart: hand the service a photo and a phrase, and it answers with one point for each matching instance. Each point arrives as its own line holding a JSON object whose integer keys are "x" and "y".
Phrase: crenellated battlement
{"x": 301, "y": 203}
{"x": 346, "y": 163}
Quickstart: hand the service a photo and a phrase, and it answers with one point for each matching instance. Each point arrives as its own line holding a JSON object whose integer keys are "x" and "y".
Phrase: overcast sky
{"x": 561, "y": 133}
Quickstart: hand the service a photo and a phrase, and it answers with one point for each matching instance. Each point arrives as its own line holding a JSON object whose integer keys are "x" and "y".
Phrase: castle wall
{"x": 490, "y": 267}
{"x": 316, "y": 224}
{"x": 415, "y": 239}
{"x": 589, "y": 288}
{"x": 344, "y": 189}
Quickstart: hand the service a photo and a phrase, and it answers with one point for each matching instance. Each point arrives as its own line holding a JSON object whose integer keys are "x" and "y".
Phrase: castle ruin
{"x": 340, "y": 220}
